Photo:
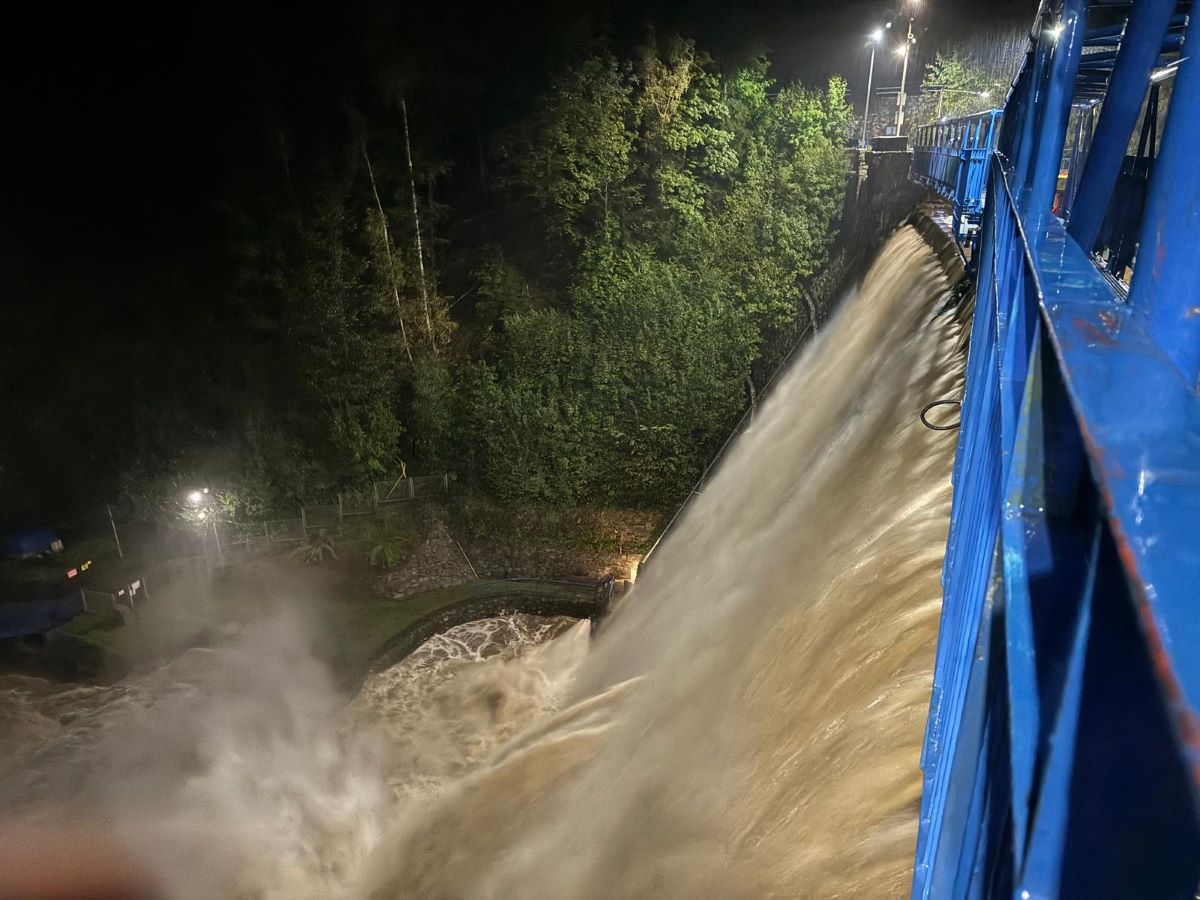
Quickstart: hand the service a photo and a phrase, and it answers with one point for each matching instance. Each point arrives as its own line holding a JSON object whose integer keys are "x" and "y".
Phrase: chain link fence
{"x": 383, "y": 498}
{"x": 195, "y": 550}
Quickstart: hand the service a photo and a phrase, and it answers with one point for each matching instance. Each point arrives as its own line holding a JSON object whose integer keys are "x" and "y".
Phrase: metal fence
{"x": 383, "y": 498}
{"x": 127, "y": 596}
{"x": 137, "y": 590}
{"x": 219, "y": 543}
{"x": 400, "y": 490}
{"x": 952, "y": 158}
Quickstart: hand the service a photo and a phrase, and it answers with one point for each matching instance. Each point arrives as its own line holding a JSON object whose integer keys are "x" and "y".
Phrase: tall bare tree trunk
{"x": 387, "y": 240}
{"x": 433, "y": 266}
{"x": 412, "y": 181}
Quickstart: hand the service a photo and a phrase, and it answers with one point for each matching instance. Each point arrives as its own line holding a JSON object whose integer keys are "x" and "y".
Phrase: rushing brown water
{"x": 748, "y": 724}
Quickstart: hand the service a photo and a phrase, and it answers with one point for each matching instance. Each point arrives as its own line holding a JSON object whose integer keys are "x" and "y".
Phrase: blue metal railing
{"x": 1062, "y": 752}
{"x": 951, "y": 158}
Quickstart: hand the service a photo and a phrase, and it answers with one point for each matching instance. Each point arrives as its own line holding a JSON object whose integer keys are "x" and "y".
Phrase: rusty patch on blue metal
{"x": 1187, "y": 725}
{"x": 1093, "y": 333}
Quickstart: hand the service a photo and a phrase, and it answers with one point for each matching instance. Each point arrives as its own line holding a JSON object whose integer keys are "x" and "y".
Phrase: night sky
{"x": 128, "y": 127}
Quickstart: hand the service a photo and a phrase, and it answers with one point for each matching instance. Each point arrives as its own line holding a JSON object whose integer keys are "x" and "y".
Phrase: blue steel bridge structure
{"x": 1062, "y": 748}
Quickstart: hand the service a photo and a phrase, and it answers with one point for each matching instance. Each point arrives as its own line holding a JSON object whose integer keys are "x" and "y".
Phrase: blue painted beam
{"x": 1131, "y": 77}
{"x": 1055, "y": 102}
{"x": 1042, "y": 871}
{"x": 1027, "y": 121}
{"x": 966, "y": 612}
{"x": 1166, "y": 278}
{"x": 1021, "y": 520}
{"x": 1141, "y": 424}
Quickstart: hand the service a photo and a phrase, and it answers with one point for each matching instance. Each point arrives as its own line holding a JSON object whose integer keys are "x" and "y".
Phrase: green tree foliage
{"x": 667, "y": 218}
{"x": 693, "y": 205}
{"x": 502, "y": 290}
{"x": 342, "y": 330}
{"x": 385, "y": 543}
{"x": 685, "y": 138}
{"x": 787, "y": 198}
{"x": 575, "y": 158}
{"x": 670, "y": 352}
{"x": 962, "y": 83}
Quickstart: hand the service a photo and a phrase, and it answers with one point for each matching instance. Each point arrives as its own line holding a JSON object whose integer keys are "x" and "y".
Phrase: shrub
{"x": 386, "y": 543}
{"x": 315, "y": 548}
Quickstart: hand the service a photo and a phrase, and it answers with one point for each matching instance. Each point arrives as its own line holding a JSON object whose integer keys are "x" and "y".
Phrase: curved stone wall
{"x": 579, "y": 601}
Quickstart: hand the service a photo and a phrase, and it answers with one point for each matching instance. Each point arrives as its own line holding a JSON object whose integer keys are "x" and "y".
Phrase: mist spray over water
{"x": 748, "y": 724}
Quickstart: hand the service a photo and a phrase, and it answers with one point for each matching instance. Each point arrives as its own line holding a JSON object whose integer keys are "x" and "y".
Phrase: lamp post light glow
{"x": 205, "y": 517}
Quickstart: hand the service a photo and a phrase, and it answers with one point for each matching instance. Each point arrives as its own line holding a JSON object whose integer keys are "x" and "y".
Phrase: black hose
{"x": 930, "y": 425}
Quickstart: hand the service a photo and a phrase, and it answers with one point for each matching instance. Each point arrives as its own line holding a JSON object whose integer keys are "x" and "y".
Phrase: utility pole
{"x": 908, "y": 42}
{"x": 116, "y": 537}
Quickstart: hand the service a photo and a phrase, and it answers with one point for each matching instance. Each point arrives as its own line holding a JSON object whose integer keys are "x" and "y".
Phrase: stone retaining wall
{"x": 577, "y": 602}
{"x": 495, "y": 561}
{"x": 436, "y": 563}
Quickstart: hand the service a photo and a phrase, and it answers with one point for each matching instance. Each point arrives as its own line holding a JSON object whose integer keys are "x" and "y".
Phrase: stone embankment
{"x": 439, "y": 562}
{"x": 436, "y": 563}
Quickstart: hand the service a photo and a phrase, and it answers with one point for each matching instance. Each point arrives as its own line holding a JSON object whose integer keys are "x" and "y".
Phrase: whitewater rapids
{"x": 748, "y": 724}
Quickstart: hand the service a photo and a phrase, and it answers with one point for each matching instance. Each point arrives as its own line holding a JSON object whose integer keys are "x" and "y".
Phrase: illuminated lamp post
{"x": 874, "y": 40}
{"x": 199, "y": 499}
{"x": 906, "y": 52}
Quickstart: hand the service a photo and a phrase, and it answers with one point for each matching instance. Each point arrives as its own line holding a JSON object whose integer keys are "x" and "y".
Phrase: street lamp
{"x": 200, "y": 501}
{"x": 874, "y": 39}
{"x": 905, "y": 50}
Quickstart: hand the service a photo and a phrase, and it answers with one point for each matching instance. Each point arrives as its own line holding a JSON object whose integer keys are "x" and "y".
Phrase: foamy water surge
{"x": 747, "y": 725}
